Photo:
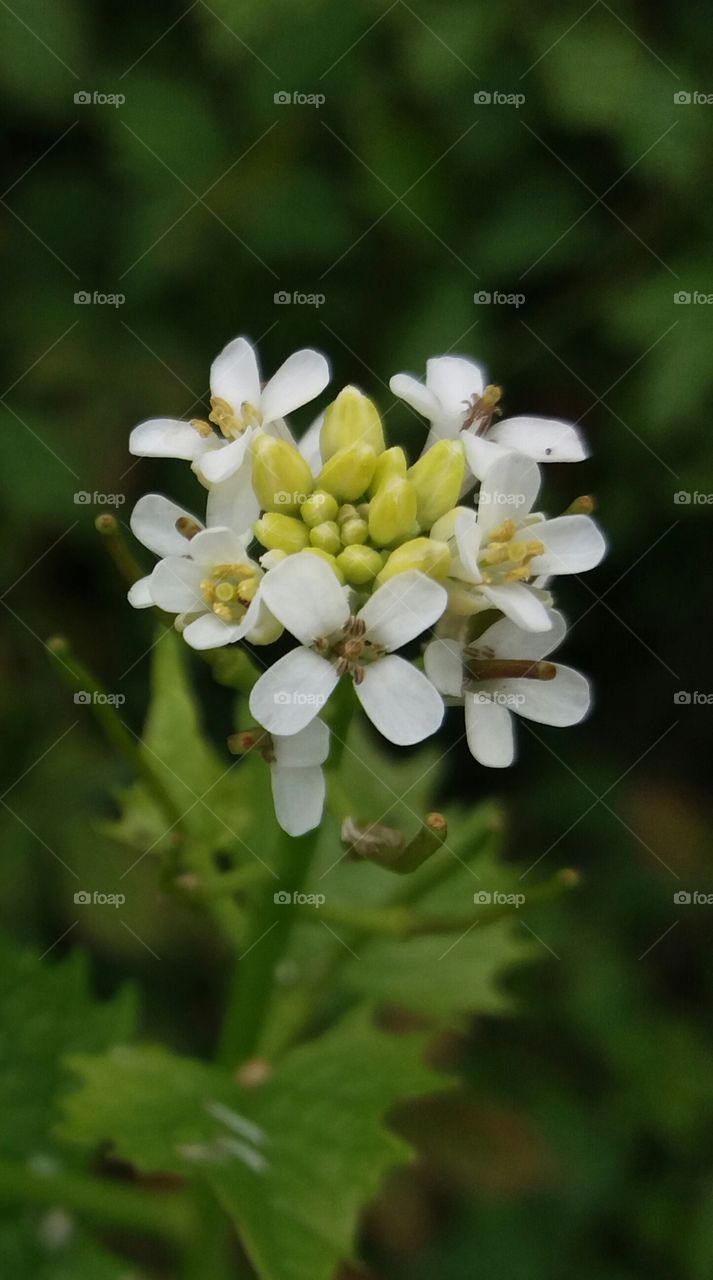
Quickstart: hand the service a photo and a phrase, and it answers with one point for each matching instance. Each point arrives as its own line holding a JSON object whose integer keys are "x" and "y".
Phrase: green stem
{"x": 168, "y": 1215}
{"x": 272, "y": 925}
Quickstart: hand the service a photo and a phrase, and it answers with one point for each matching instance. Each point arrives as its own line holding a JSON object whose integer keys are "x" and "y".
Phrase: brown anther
{"x": 203, "y": 428}
{"x": 479, "y": 668}
{"x": 355, "y": 627}
{"x": 187, "y": 527}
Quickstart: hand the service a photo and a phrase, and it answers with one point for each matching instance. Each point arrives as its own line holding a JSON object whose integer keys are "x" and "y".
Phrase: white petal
{"x": 292, "y": 691}
{"x": 304, "y": 593}
{"x": 562, "y": 701}
{"x": 454, "y": 381}
{"x": 507, "y": 640}
{"x": 573, "y": 544}
{"x": 175, "y": 585}
{"x": 153, "y": 522}
{"x": 480, "y": 454}
{"x": 217, "y": 546}
{"x": 234, "y": 375}
{"x": 402, "y": 608}
{"x": 309, "y": 445}
{"x": 233, "y": 503}
{"x": 302, "y": 377}
{"x": 167, "y": 438}
{"x": 210, "y": 632}
{"x": 309, "y": 746}
{"x": 443, "y": 661}
{"x": 468, "y": 536}
{"x": 489, "y": 731}
{"x": 508, "y": 491}
{"x": 221, "y": 463}
{"x": 416, "y": 394}
{"x": 299, "y": 798}
{"x": 261, "y": 626}
{"x": 139, "y": 593}
{"x": 519, "y": 603}
{"x": 544, "y": 439}
{"x": 400, "y": 701}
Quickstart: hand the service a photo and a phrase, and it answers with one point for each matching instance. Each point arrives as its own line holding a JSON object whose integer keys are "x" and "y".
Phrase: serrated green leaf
{"x": 292, "y": 1162}
{"x": 46, "y": 1011}
{"x": 443, "y": 976}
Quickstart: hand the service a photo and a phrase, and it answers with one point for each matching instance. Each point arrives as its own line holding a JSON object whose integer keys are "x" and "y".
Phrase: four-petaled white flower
{"x": 501, "y": 551}
{"x": 298, "y": 788}
{"x": 455, "y": 400}
{"x": 304, "y": 595}
{"x": 239, "y": 408}
{"x": 215, "y": 588}
{"x": 490, "y": 678}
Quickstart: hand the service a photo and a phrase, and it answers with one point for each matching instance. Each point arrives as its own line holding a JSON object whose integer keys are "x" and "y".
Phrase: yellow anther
{"x": 516, "y": 551}
{"x": 247, "y": 590}
{"x": 223, "y": 612}
{"x": 520, "y": 574}
{"x": 535, "y": 548}
{"x": 503, "y": 533}
{"x": 495, "y": 555}
{"x": 202, "y": 427}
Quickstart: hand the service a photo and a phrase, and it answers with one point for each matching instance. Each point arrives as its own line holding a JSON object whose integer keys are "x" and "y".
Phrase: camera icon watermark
{"x": 686, "y": 98}
{"x": 284, "y": 698}
{"x": 499, "y": 498}
{"x": 285, "y": 298}
{"x": 692, "y": 698}
{"x": 687, "y": 498}
{"x": 285, "y": 98}
{"x": 283, "y": 899}
{"x": 83, "y": 298}
{"x": 484, "y": 898}
{"x": 84, "y": 499}
{"x": 291, "y": 498}
{"x": 684, "y": 298}
{"x": 484, "y": 298}
{"x": 684, "y": 898}
{"x": 85, "y": 698}
{"x": 495, "y": 97}
{"x": 513, "y": 701}
{"x": 88, "y": 98}
{"x": 83, "y": 898}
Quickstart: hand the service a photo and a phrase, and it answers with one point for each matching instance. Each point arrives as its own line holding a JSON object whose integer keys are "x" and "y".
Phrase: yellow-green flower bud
{"x": 438, "y": 478}
{"x": 425, "y": 554}
{"x": 347, "y": 512}
{"x": 331, "y": 561}
{"x": 359, "y": 564}
{"x": 390, "y": 463}
{"x": 351, "y": 419}
{"x": 281, "y": 533}
{"x": 392, "y": 512}
{"x": 347, "y": 474}
{"x": 326, "y": 536}
{"x": 444, "y": 528}
{"x": 354, "y": 531}
{"x": 281, "y": 476}
{"x": 320, "y": 506}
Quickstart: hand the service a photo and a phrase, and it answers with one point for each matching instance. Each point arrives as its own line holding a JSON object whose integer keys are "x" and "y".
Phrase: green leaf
{"x": 47, "y": 1011}
{"x": 443, "y": 975}
{"x": 210, "y": 794}
{"x": 292, "y": 1162}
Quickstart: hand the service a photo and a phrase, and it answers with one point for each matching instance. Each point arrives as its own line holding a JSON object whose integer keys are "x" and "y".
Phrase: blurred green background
{"x": 583, "y": 1143}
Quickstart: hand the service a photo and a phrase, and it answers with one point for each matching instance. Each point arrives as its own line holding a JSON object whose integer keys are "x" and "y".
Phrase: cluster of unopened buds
{"x": 356, "y": 551}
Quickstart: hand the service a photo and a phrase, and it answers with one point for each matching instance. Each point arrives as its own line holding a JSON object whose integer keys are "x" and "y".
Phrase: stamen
{"x": 186, "y": 527}
{"x": 479, "y": 668}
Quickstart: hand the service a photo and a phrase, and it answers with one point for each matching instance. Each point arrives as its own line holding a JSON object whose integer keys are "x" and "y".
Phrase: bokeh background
{"x": 584, "y": 1141}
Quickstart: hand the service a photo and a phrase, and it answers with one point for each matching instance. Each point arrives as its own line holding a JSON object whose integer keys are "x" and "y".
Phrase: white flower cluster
{"x": 355, "y": 552}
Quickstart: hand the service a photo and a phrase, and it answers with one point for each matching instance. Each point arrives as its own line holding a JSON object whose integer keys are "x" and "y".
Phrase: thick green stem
{"x": 274, "y": 916}
{"x": 110, "y": 1204}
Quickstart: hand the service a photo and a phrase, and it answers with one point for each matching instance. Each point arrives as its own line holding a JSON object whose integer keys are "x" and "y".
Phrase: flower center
{"x": 232, "y": 424}
{"x": 229, "y": 590}
{"x": 352, "y": 651}
{"x": 506, "y": 558}
{"x": 480, "y": 410}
